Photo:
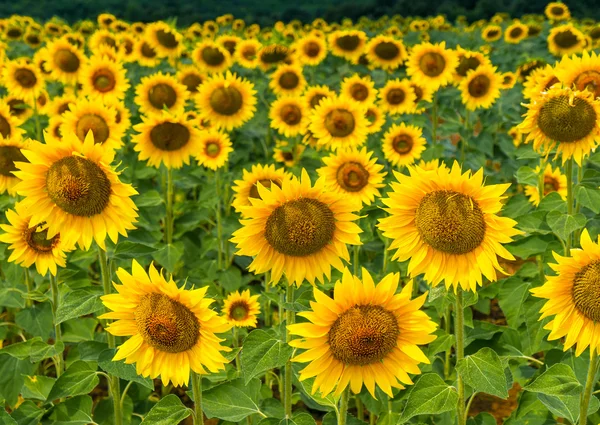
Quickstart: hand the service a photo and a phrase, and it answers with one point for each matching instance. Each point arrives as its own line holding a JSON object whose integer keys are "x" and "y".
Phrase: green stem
{"x": 219, "y": 225}
{"x": 169, "y": 218}
{"x": 197, "y": 393}
{"x": 459, "y": 322}
{"x": 28, "y": 301}
{"x": 434, "y": 119}
{"x": 469, "y": 404}
{"x": 589, "y": 386}
{"x": 289, "y": 319}
{"x": 463, "y": 140}
{"x": 267, "y": 306}
{"x": 577, "y": 204}
{"x": 448, "y": 353}
{"x": 57, "y": 329}
{"x": 236, "y": 344}
{"x": 569, "y": 173}
{"x": 360, "y": 409}
{"x": 343, "y": 412}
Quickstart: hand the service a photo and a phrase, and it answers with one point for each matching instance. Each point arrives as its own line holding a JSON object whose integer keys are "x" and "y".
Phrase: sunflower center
{"x": 162, "y": 95}
{"x": 371, "y": 116}
{"x": 213, "y": 56}
{"x": 557, "y": 11}
{"x": 8, "y": 156}
{"x": 66, "y": 60}
{"x": 565, "y": 121}
{"x": 266, "y": 183}
{"x": 312, "y": 49}
{"x": 363, "y": 335}
{"x": 352, "y": 176}
{"x": 466, "y": 65}
{"x": 78, "y": 186}
{"x": 588, "y": 80}
{"x": 432, "y": 64}
{"x": 291, "y": 114}
{"x": 148, "y": 51}
{"x": 359, "y": 91}
{"x": 38, "y": 240}
{"x": 17, "y": 107}
{"x": 4, "y": 127}
{"x": 300, "y": 228}
{"x": 479, "y": 86}
{"x": 550, "y": 185}
{"x": 418, "y": 93}
{"x": 493, "y": 33}
{"x": 402, "y": 144}
{"x": 96, "y": 124}
{"x": 226, "y": 100}
{"x": 586, "y": 291}
{"x": 104, "y": 80}
{"x": 239, "y": 311}
{"x": 387, "y": 50}
{"x": 166, "y": 324}
{"x": 25, "y": 77}
{"x": 14, "y": 33}
{"x": 348, "y": 43}
{"x": 274, "y": 54}
{"x": 395, "y": 96}
{"x": 566, "y": 39}
{"x": 450, "y": 222}
{"x": 230, "y": 45}
{"x": 169, "y": 136}
{"x": 289, "y": 80}
{"x": 316, "y": 99}
{"x": 166, "y": 39}
{"x": 249, "y": 53}
{"x": 192, "y": 81}
{"x": 339, "y": 123}
{"x": 516, "y": 32}
{"x": 212, "y": 149}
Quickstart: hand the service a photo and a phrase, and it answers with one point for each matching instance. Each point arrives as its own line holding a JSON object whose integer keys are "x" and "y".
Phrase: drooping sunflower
{"x": 9, "y": 124}
{"x": 491, "y": 33}
{"x": 554, "y": 181}
{"x": 10, "y": 152}
{"x": 446, "y": 223}
{"x": 339, "y": 123}
{"x": 30, "y": 244}
{"x": 375, "y": 119}
{"x": 247, "y": 187}
{"x": 310, "y": 50}
{"x": 287, "y": 80}
{"x": 102, "y": 38}
{"x": 403, "y": 144}
{"x": 481, "y": 87}
{"x": 515, "y": 33}
{"x": 88, "y": 115}
{"x": 158, "y": 92}
{"x": 213, "y": 149}
{"x": 348, "y": 44}
{"x": 572, "y": 297}
{"x": 354, "y": 174}
{"x": 241, "y": 309}
{"x": 23, "y": 79}
{"x": 580, "y": 72}
{"x": 385, "y": 52}
{"x": 102, "y": 78}
{"x": 298, "y": 230}
{"x": 227, "y": 101}
{"x": 566, "y": 40}
{"x": 289, "y": 116}
{"x": 246, "y": 53}
{"x": 145, "y": 54}
{"x": 360, "y": 89}
{"x": 397, "y": 97}
{"x": 540, "y": 80}
{"x": 70, "y": 185}
{"x": 565, "y": 119}
{"x": 165, "y": 39}
{"x": 366, "y": 334}
{"x": 166, "y": 139}
{"x": 172, "y": 329}
{"x": 556, "y": 11}
{"x": 273, "y": 55}
{"x": 190, "y": 77}
{"x": 64, "y": 61}
{"x": 431, "y": 65}
{"x": 315, "y": 94}
{"x": 211, "y": 57}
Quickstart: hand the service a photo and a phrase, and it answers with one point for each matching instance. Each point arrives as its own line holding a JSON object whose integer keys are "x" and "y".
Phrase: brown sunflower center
{"x": 78, "y": 186}
{"x": 418, "y": 93}
{"x": 266, "y": 183}
{"x": 14, "y": 33}
{"x": 387, "y": 50}
{"x": 8, "y": 156}
{"x": 566, "y": 39}
{"x": 432, "y": 64}
{"x": 192, "y": 81}
{"x": 5, "y": 129}
{"x": 239, "y": 311}
{"x": 340, "y": 123}
{"x": 312, "y": 49}
{"x": 226, "y": 100}
{"x": 17, "y": 107}
{"x": 515, "y": 32}
{"x": 162, "y": 95}
{"x": 349, "y": 43}
{"x": 352, "y": 176}
{"x": 556, "y": 11}
{"x": 371, "y": 116}
{"x": 359, "y": 91}
{"x": 300, "y": 228}
{"x": 38, "y": 240}
{"x": 289, "y": 80}
{"x": 25, "y": 77}
{"x": 104, "y": 80}
{"x": 564, "y": 122}
{"x": 230, "y": 45}
{"x": 249, "y": 53}
{"x": 316, "y": 99}
{"x": 450, "y": 222}
{"x": 479, "y": 86}
{"x": 290, "y": 114}
{"x": 586, "y": 291}
{"x": 363, "y": 335}
{"x": 402, "y": 144}
{"x": 588, "y": 80}
{"x": 147, "y": 51}
{"x": 395, "y": 96}
{"x": 493, "y": 33}
{"x": 466, "y": 64}
{"x": 66, "y": 61}
{"x": 212, "y": 149}
{"x": 595, "y": 33}
{"x": 213, "y": 56}
{"x": 166, "y": 39}
{"x": 550, "y": 185}
{"x": 96, "y": 124}
{"x": 166, "y": 324}
{"x": 274, "y": 54}
{"x": 169, "y": 136}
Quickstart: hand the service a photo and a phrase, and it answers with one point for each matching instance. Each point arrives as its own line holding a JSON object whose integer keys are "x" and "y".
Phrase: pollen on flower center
{"x": 339, "y": 123}
{"x": 239, "y": 311}
{"x": 38, "y": 240}
{"x": 586, "y": 291}
{"x": 104, "y": 80}
{"x": 352, "y": 176}
{"x": 565, "y": 122}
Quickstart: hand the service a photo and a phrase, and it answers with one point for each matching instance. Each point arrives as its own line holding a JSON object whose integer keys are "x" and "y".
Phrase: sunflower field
{"x": 388, "y": 221}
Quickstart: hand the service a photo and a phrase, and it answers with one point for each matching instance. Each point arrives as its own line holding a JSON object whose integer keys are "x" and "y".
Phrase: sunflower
{"x": 580, "y": 72}
{"x": 246, "y": 53}
{"x": 247, "y": 187}
{"x": 565, "y": 40}
{"x": 102, "y": 78}
{"x": 53, "y": 130}
{"x": 434, "y": 164}
{"x": 385, "y": 52}
{"x": 230, "y": 42}
{"x": 431, "y": 64}
{"x": 508, "y": 80}
{"x": 166, "y": 138}
{"x": 145, "y": 54}
{"x": 554, "y": 181}
{"x": 403, "y": 144}
{"x": 241, "y": 310}
{"x": 310, "y": 50}
{"x": 163, "y": 38}
{"x": 375, "y": 119}
{"x": 348, "y": 44}
{"x": 9, "y": 124}
{"x": 23, "y": 79}
{"x": 299, "y": 229}
{"x": 211, "y": 57}
{"x": 360, "y": 89}
{"x": 30, "y": 243}
{"x": 539, "y": 81}
{"x": 516, "y": 135}
{"x": 172, "y": 329}
{"x": 480, "y": 88}
{"x": 366, "y": 334}
{"x": 190, "y": 77}
{"x": 556, "y": 11}
{"x": 289, "y": 155}
{"x": 227, "y": 101}
{"x": 88, "y": 115}
{"x": 287, "y": 80}
{"x": 565, "y": 119}
{"x": 515, "y": 33}
{"x": 339, "y": 123}
{"x": 158, "y": 92}
{"x": 397, "y": 97}
{"x": 273, "y": 55}
{"x": 354, "y": 174}
{"x": 10, "y": 152}
{"x": 445, "y": 222}
{"x": 127, "y": 44}
{"x": 102, "y": 38}
{"x": 70, "y": 185}
{"x": 468, "y": 60}
{"x": 105, "y": 20}
{"x": 213, "y": 149}
{"x": 19, "y": 108}
{"x": 289, "y": 116}
{"x": 315, "y": 94}
{"x": 64, "y": 61}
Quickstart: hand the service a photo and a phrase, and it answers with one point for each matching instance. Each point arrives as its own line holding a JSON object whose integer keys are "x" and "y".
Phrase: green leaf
{"x": 558, "y": 380}
{"x": 527, "y": 247}
{"x": 168, "y": 256}
{"x": 37, "y": 387}
{"x": 553, "y": 202}
{"x": 78, "y": 379}
{"x": 299, "y": 419}
{"x": 36, "y": 320}
{"x": 565, "y": 224}
{"x": 74, "y": 411}
{"x": 527, "y": 176}
{"x": 168, "y": 411}
{"x": 232, "y": 401}
{"x": 482, "y": 419}
{"x": 127, "y": 250}
{"x": 5, "y": 418}
{"x": 33, "y": 349}
{"x": 122, "y": 370}
{"x": 231, "y": 279}
{"x": 511, "y": 298}
{"x": 28, "y": 413}
{"x": 567, "y": 406}
{"x": 149, "y": 198}
{"x": 261, "y": 352}
{"x": 483, "y": 371}
{"x": 588, "y": 197}
{"x": 429, "y": 396}
{"x": 78, "y": 303}
{"x": 11, "y": 377}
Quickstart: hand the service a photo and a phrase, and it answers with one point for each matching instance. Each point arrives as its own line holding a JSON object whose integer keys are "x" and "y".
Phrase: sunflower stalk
{"x": 360, "y": 409}
{"x": 577, "y": 203}
{"x": 289, "y": 319}
{"x": 236, "y": 344}
{"x": 57, "y": 329}
{"x": 197, "y": 393}
{"x": 459, "y": 322}
{"x": 434, "y": 119}
{"x": 343, "y": 411}
{"x": 541, "y": 182}
{"x": 219, "y": 224}
{"x": 569, "y": 173}
{"x": 28, "y": 300}
{"x": 448, "y": 354}
{"x": 589, "y": 387}
{"x": 463, "y": 140}
{"x": 169, "y": 218}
